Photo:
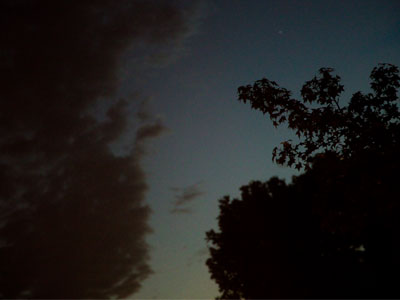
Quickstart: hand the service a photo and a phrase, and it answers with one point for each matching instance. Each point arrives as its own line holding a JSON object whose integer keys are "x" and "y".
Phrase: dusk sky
{"x": 134, "y": 104}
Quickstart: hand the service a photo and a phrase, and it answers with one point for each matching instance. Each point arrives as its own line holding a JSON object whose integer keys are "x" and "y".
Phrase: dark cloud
{"x": 149, "y": 131}
{"x": 184, "y": 196}
{"x": 73, "y": 220}
{"x": 152, "y": 127}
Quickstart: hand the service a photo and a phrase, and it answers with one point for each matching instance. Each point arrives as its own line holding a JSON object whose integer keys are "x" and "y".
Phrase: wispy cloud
{"x": 184, "y": 196}
{"x": 198, "y": 257}
{"x": 180, "y": 210}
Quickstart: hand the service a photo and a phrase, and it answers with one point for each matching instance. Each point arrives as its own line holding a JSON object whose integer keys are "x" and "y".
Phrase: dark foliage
{"x": 334, "y": 232}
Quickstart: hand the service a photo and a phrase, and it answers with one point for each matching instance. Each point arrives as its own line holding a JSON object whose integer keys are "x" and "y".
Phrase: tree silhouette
{"x": 334, "y": 232}
{"x": 369, "y": 122}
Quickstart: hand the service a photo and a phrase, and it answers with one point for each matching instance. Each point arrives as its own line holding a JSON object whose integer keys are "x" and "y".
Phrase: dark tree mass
{"x": 73, "y": 219}
{"x": 334, "y": 232}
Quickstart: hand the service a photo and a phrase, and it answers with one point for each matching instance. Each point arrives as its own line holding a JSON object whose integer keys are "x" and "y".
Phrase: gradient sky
{"x": 179, "y": 76}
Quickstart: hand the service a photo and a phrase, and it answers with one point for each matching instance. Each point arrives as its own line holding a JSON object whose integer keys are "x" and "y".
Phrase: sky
{"x": 121, "y": 129}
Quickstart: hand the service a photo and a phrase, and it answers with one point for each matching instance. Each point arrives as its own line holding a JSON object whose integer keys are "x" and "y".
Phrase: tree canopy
{"x": 369, "y": 121}
{"x": 334, "y": 231}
